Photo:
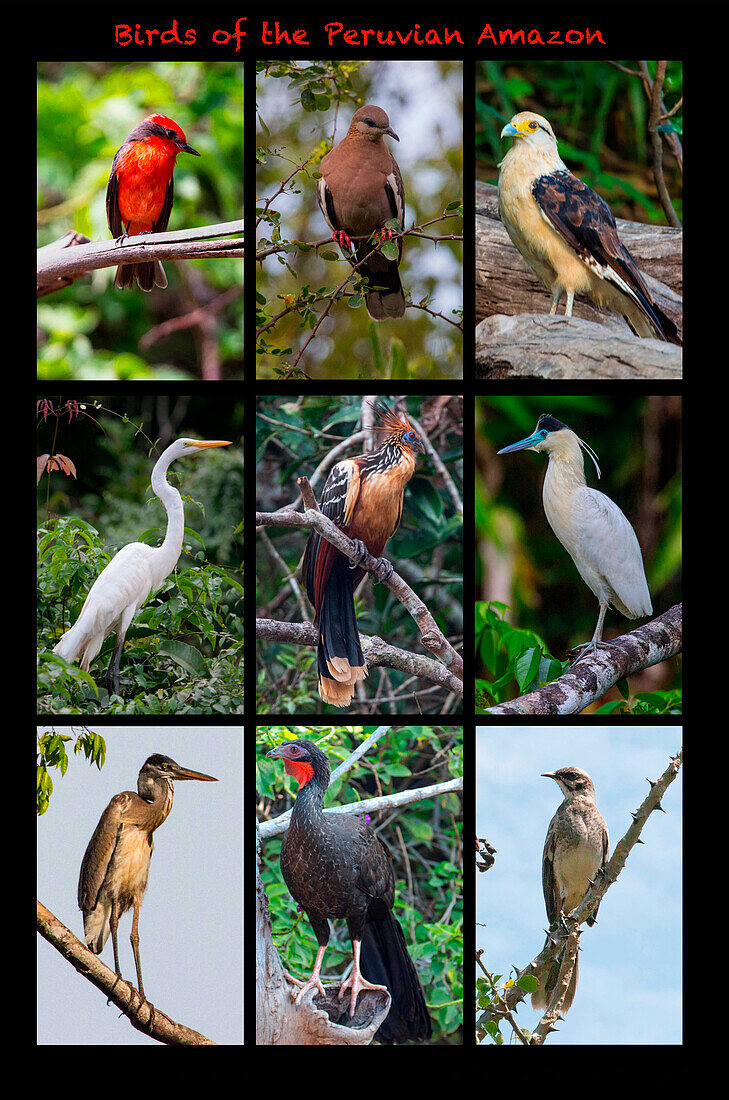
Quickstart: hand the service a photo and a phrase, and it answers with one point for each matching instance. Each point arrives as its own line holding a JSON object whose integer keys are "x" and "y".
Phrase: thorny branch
{"x": 563, "y": 936}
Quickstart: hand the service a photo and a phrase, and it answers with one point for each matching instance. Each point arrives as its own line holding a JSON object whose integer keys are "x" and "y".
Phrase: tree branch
{"x": 430, "y": 635}
{"x": 370, "y": 805}
{"x": 142, "y": 1015}
{"x": 558, "y": 935}
{"x": 72, "y": 256}
{"x": 588, "y": 681}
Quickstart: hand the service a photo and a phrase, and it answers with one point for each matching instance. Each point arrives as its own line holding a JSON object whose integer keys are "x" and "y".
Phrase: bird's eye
{"x": 171, "y": 134}
{"x": 369, "y": 121}
{"x": 533, "y": 125}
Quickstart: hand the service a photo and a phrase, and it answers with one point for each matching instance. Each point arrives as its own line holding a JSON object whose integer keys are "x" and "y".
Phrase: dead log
{"x": 506, "y": 286}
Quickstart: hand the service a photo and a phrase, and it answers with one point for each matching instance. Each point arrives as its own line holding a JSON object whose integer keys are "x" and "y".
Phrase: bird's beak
{"x": 548, "y": 775}
{"x": 509, "y": 130}
{"x": 185, "y": 773}
{"x": 392, "y": 133}
{"x": 530, "y": 442}
{"x": 185, "y": 148}
{"x": 211, "y": 443}
{"x": 275, "y": 753}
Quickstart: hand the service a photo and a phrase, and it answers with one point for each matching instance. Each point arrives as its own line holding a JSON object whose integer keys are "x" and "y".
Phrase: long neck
{"x": 166, "y": 555}
{"x": 159, "y": 794}
{"x": 566, "y": 469}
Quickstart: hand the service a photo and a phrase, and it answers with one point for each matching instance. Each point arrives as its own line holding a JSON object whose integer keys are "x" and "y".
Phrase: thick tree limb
{"x": 593, "y": 676}
{"x": 143, "y": 1016}
{"x": 506, "y": 286}
{"x": 539, "y": 346}
{"x": 72, "y": 256}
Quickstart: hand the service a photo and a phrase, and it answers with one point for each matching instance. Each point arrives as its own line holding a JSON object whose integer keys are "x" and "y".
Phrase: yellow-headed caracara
{"x": 567, "y": 233}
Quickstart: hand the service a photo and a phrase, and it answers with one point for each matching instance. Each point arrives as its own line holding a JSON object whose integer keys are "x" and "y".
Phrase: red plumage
{"x": 140, "y": 192}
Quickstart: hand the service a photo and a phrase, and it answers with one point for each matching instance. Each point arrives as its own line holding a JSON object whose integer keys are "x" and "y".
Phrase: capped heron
{"x": 124, "y": 584}
{"x": 592, "y": 529}
{"x": 115, "y": 867}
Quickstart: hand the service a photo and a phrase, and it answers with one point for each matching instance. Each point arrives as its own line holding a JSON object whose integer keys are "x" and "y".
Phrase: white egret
{"x": 592, "y": 529}
{"x": 125, "y": 583}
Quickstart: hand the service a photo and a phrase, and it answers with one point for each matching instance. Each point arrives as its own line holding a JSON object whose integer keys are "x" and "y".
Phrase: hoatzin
{"x": 336, "y": 868}
{"x": 363, "y": 496}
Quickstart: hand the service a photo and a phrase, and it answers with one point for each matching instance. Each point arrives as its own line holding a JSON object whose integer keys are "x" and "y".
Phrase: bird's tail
{"x": 340, "y": 660}
{"x": 384, "y": 273}
{"x": 97, "y": 927}
{"x": 541, "y": 998}
{"x": 385, "y": 961}
{"x": 145, "y": 275}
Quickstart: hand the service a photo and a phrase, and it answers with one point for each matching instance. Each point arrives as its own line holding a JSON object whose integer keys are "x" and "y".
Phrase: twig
{"x": 430, "y": 634}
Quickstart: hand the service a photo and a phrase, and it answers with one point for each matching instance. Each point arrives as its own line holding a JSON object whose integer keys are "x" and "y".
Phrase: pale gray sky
{"x": 191, "y": 920}
{"x": 630, "y": 988}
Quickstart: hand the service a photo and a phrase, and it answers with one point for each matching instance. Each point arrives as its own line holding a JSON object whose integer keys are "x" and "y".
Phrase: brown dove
{"x": 359, "y": 191}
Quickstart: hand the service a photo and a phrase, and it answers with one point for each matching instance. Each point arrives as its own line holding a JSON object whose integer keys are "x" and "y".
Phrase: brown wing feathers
{"x": 586, "y": 222}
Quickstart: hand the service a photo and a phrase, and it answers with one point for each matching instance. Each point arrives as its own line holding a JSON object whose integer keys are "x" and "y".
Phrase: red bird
{"x": 140, "y": 192}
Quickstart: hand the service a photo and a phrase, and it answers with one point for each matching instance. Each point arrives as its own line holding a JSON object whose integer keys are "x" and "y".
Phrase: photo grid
{"x": 364, "y": 541}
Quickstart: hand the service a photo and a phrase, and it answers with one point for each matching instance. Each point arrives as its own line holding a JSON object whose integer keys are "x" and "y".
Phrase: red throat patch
{"x": 301, "y": 770}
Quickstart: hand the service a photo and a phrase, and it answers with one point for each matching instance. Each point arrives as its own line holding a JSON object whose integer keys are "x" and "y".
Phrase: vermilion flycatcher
{"x": 141, "y": 189}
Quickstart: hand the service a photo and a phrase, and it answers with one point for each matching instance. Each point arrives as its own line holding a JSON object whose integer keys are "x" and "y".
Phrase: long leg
{"x": 134, "y": 938}
{"x": 355, "y": 980}
{"x": 113, "y": 925}
{"x": 112, "y": 672}
{"x": 596, "y": 637}
{"x": 314, "y": 982}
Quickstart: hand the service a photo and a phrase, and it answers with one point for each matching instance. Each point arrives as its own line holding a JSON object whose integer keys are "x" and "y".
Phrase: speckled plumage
{"x": 337, "y": 868}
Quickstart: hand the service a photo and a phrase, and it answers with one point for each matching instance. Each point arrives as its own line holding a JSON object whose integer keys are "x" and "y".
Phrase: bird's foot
{"x": 361, "y": 552}
{"x": 357, "y": 984}
{"x": 589, "y": 646}
{"x": 313, "y": 982}
{"x": 583, "y": 647}
{"x": 342, "y": 239}
{"x": 383, "y": 570}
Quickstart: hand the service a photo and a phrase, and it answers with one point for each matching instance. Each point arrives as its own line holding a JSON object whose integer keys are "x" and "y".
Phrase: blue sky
{"x": 630, "y": 989}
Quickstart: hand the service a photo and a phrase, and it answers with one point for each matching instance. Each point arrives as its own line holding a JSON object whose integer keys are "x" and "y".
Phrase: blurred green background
{"x": 89, "y": 330}
{"x": 303, "y": 109}
{"x": 519, "y": 561}
{"x": 599, "y": 115}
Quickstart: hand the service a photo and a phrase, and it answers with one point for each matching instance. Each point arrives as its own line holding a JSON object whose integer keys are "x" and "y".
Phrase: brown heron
{"x": 115, "y": 867}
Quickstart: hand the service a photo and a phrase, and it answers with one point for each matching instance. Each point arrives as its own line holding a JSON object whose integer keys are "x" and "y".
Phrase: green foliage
{"x": 293, "y": 437}
{"x": 90, "y": 330}
{"x": 430, "y": 831}
{"x": 599, "y": 114}
{"x": 183, "y": 651}
{"x": 302, "y": 109}
{"x": 518, "y": 660}
{"x": 51, "y": 753}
